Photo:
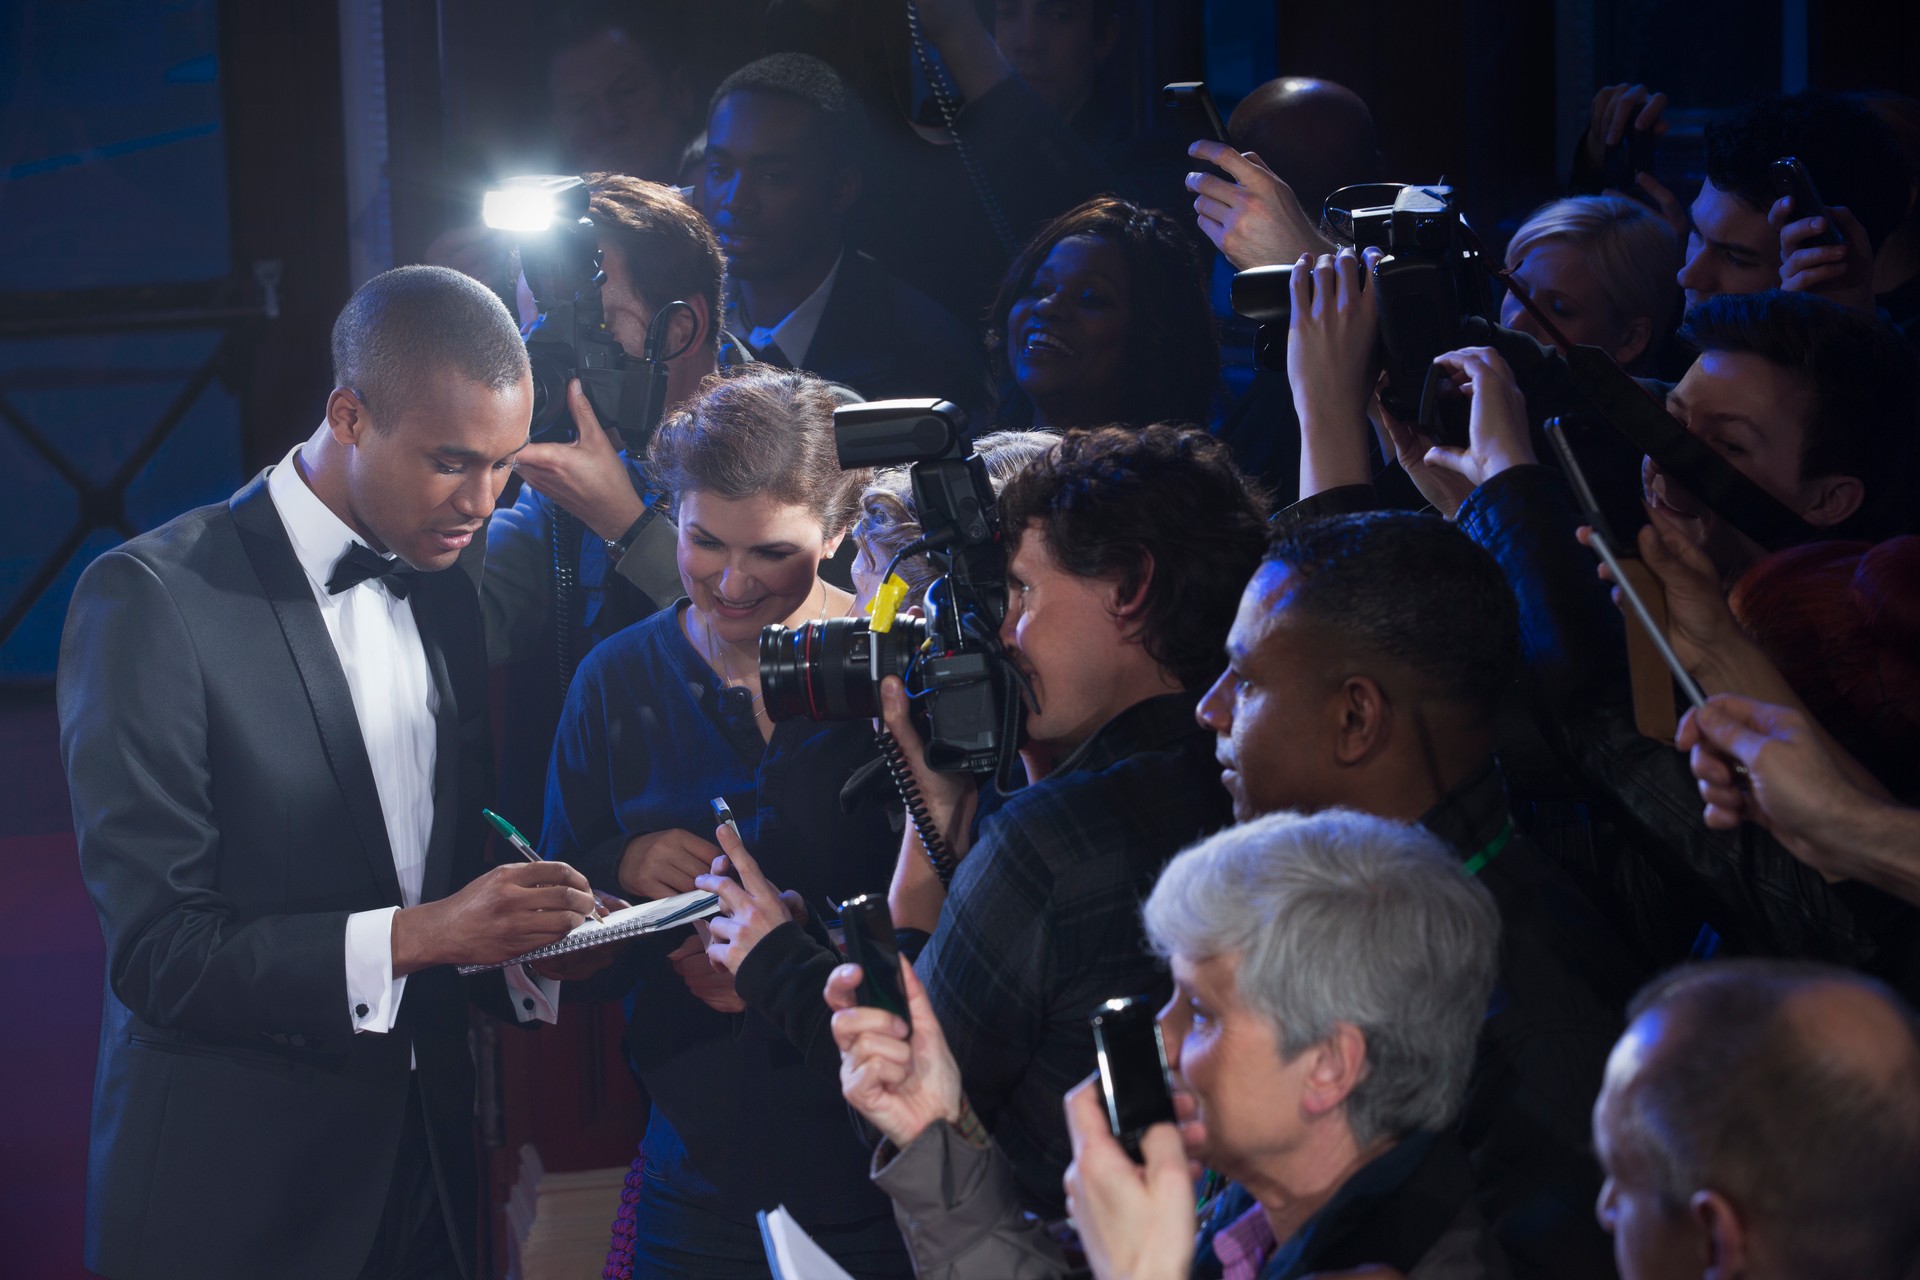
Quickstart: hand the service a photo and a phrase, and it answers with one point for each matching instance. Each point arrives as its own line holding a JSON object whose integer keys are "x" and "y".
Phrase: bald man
{"x": 1315, "y": 134}
{"x": 1761, "y": 1120}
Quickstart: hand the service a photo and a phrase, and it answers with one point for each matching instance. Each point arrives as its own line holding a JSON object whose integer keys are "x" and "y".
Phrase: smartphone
{"x": 1790, "y": 178}
{"x": 871, "y": 944}
{"x": 723, "y": 817}
{"x": 1631, "y": 155}
{"x": 1133, "y": 1069}
{"x": 1191, "y": 103}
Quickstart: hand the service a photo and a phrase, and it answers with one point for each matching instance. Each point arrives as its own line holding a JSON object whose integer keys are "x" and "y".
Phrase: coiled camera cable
{"x": 939, "y": 852}
{"x": 946, "y": 96}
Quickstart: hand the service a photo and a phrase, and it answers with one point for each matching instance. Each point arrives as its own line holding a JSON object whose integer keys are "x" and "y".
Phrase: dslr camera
{"x": 561, "y": 257}
{"x": 1430, "y": 280}
{"x": 965, "y": 691}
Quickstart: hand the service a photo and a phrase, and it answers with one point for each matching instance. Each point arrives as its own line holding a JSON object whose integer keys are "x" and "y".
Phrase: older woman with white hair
{"x": 1331, "y": 973}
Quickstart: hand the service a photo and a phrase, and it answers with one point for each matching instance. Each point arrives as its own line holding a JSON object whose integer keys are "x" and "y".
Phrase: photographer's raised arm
{"x": 1332, "y": 332}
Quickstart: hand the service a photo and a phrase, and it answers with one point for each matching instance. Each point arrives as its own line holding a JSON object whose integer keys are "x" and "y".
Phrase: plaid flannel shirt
{"x": 1042, "y": 922}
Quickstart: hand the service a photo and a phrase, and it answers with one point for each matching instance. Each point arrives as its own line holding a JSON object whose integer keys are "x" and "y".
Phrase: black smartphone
{"x": 871, "y": 945}
{"x": 1790, "y": 178}
{"x": 1631, "y": 155}
{"x": 1194, "y": 115}
{"x": 723, "y": 817}
{"x": 1191, "y": 103}
{"x": 1133, "y": 1069}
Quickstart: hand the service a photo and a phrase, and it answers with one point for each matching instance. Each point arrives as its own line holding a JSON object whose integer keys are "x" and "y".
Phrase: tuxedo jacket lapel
{"x": 431, "y": 621}
{"x": 264, "y": 538}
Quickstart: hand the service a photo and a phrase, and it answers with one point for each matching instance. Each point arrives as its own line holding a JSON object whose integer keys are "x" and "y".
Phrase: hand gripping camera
{"x": 1431, "y": 278}
{"x": 561, "y": 257}
{"x": 966, "y": 692}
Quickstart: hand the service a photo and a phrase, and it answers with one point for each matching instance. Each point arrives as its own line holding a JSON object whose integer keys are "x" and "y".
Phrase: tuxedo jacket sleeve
{"x": 181, "y": 951}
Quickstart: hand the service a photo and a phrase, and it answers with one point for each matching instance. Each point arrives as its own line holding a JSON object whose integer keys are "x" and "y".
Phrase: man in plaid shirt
{"x": 1129, "y": 548}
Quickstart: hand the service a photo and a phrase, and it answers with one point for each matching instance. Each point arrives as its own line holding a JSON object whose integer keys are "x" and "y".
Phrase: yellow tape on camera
{"x": 887, "y": 601}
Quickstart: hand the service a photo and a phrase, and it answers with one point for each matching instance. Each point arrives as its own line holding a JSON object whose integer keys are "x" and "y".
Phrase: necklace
{"x": 726, "y": 666}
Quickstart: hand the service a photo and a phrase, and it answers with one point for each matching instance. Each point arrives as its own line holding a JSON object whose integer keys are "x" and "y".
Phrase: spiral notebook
{"x": 628, "y": 922}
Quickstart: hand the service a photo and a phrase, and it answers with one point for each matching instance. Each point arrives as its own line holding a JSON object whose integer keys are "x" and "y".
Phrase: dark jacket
{"x": 887, "y": 340}
{"x": 1410, "y": 1209}
{"x": 228, "y": 824}
{"x": 1558, "y": 1006}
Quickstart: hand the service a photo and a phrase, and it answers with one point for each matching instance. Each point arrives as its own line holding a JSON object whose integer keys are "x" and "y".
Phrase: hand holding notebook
{"x": 619, "y": 926}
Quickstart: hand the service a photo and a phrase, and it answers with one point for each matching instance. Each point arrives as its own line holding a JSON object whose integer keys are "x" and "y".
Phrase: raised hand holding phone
{"x": 752, "y": 907}
{"x": 1135, "y": 1218}
{"x": 1823, "y": 249}
{"x": 897, "y": 1072}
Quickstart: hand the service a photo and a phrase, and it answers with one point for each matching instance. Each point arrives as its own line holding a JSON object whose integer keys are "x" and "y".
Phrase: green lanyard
{"x": 1495, "y": 847}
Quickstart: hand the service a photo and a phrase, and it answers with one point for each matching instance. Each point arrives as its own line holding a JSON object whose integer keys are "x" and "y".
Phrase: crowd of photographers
{"x": 1306, "y": 715}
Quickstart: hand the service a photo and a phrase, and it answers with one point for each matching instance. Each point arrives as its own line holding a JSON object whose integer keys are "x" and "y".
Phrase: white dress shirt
{"x": 395, "y": 702}
{"x": 794, "y": 333}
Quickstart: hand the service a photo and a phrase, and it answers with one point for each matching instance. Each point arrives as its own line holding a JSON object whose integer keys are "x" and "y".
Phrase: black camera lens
{"x": 829, "y": 670}
{"x": 552, "y": 370}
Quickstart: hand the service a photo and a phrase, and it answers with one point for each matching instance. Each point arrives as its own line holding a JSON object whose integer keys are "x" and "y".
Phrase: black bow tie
{"x": 360, "y": 562}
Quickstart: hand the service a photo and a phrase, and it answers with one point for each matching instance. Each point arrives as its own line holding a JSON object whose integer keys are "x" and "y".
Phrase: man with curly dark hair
{"x": 1129, "y": 547}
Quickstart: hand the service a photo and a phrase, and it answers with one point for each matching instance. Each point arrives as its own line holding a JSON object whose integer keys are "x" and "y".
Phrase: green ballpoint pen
{"x": 524, "y": 847}
{"x": 511, "y": 834}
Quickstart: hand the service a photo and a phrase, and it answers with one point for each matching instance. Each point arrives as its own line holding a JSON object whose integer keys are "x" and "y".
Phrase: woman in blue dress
{"x": 662, "y": 718}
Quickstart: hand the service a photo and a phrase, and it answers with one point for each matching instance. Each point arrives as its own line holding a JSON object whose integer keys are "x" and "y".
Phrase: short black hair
{"x": 1173, "y": 354}
{"x": 1163, "y": 500}
{"x": 813, "y": 83}
{"x": 405, "y": 325}
{"x": 1865, "y": 380}
{"x": 1852, "y": 157}
{"x": 1411, "y": 588}
{"x": 1745, "y": 1101}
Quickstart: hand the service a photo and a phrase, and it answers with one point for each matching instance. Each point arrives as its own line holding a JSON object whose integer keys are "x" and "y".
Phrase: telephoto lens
{"x": 832, "y": 669}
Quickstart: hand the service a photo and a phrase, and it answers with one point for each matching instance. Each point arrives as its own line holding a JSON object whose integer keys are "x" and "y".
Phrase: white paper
{"x": 792, "y": 1253}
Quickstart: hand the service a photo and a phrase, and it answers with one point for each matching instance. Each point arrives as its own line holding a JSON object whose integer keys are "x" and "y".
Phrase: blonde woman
{"x": 1602, "y": 268}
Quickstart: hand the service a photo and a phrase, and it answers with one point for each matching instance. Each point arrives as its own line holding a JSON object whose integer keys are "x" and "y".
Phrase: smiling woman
{"x": 663, "y": 717}
{"x": 1104, "y": 319}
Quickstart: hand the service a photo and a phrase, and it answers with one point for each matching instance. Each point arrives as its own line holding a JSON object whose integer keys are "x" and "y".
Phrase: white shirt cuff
{"x": 373, "y": 993}
{"x": 535, "y": 999}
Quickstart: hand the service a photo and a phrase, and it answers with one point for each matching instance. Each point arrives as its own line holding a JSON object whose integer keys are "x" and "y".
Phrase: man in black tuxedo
{"x": 781, "y": 175}
{"x": 274, "y": 721}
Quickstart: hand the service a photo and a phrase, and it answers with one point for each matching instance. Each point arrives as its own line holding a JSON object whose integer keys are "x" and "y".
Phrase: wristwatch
{"x": 617, "y": 547}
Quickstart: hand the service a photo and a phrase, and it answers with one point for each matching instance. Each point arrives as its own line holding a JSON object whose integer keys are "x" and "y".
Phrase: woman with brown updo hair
{"x": 662, "y": 718}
